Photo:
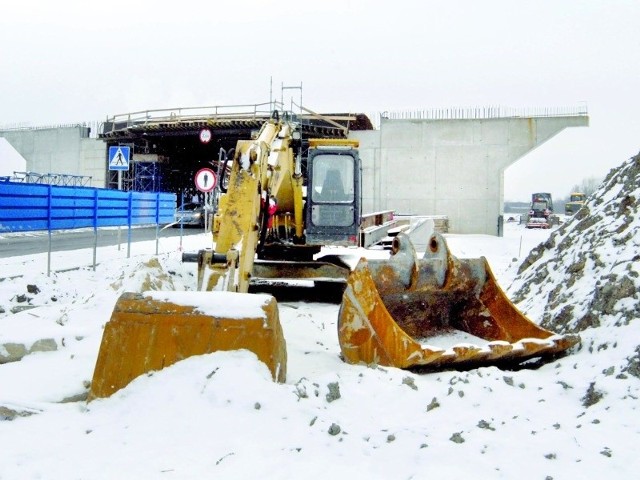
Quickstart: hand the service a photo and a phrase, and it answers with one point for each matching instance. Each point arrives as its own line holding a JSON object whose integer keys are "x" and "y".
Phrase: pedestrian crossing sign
{"x": 119, "y": 158}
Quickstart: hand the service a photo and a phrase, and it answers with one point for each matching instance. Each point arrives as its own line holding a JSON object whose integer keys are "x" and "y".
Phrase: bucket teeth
{"x": 398, "y": 312}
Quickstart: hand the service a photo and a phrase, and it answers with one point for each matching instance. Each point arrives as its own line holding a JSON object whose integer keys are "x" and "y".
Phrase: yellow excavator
{"x": 282, "y": 201}
{"x": 575, "y": 203}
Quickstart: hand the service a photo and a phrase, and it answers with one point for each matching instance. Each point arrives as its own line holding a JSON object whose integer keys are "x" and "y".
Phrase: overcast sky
{"x": 83, "y": 60}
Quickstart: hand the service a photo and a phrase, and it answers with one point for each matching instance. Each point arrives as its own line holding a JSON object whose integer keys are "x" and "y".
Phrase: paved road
{"x": 18, "y": 244}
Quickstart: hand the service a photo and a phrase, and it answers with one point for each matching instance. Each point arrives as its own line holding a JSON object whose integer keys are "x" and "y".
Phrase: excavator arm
{"x": 263, "y": 170}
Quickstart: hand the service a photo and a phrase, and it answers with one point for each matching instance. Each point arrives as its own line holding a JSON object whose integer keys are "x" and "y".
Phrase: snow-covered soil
{"x": 221, "y": 416}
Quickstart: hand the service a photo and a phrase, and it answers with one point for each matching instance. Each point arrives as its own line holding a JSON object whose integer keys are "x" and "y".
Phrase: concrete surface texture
{"x": 10, "y": 159}
{"x": 449, "y": 167}
{"x": 63, "y": 150}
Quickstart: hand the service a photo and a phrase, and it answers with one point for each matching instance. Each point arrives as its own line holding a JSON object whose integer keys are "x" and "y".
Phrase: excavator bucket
{"x": 153, "y": 330}
{"x": 437, "y": 312}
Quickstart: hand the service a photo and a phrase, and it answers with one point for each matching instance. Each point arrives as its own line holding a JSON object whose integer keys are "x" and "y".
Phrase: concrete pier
{"x": 65, "y": 149}
{"x": 452, "y": 167}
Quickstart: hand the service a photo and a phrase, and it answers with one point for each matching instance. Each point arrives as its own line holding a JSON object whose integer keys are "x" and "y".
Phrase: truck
{"x": 541, "y": 211}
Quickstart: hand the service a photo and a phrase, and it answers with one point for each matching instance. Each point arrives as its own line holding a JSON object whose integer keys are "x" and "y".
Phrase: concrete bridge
{"x": 436, "y": 162}
{"x": 452, "y": 161}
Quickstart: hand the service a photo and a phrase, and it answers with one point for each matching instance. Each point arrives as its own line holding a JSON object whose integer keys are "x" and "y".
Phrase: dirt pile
{"x": 588, "y": 272}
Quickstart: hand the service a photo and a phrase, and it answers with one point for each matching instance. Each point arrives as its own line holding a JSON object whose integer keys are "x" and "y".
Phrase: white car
{"x": 190, "y": 214}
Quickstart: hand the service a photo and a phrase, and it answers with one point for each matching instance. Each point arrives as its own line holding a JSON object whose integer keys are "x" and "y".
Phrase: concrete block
{"x": 13, "y": 352}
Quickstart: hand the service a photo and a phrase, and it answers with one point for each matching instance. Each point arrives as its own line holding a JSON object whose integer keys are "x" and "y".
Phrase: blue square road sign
{"x": 119, "y": 158}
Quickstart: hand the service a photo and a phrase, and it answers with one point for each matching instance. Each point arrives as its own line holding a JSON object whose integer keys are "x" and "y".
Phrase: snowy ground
{"x": 221, "y": 416}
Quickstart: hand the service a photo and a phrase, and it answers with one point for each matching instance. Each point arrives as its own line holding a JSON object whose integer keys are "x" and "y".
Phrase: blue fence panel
{"x": 166, "y": 207}
{"x": 72, "y": 207}
{"x": 143, "y": 208}
{"x": 28, "y": 207}
{"x": 114, "y": 207}
{"x": 24, "y": 207}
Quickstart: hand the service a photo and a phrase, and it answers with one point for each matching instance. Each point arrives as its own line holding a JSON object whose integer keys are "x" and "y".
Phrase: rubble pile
{"x": 587, "y": 274}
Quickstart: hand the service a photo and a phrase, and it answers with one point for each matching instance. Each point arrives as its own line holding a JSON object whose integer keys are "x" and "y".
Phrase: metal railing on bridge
{"x": 224, "y": 114}
{"x": 486, "y": 112}
{"x": 89, "y": 129}
{"x": 187, "y": 114}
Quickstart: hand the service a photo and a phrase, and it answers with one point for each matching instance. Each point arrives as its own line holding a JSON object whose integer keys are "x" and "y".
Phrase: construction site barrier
{"x": 29, "y": 207}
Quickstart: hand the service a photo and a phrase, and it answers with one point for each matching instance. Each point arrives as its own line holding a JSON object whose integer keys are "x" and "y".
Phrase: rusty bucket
{"x": 437, "y": 312}
{"x": 153, "y": 330}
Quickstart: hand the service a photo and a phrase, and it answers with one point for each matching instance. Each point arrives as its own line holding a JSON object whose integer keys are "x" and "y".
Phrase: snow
{"x": 221, "y": 416}
{"x": 456, "y": 338}
{"x": 12, "y": 161}
{"x": 224, "y": 304}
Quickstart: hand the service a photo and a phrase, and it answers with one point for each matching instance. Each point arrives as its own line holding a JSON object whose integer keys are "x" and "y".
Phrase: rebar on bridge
{"x": 486, "y": 112}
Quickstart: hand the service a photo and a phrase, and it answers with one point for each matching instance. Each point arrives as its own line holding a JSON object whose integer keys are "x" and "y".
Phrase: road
{"x": 29, "y": 243}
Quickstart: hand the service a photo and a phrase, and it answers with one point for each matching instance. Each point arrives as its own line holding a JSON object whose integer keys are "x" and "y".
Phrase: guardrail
{"x": 375, "y": 226}
{"x": 92, "y": 128}
{"x": 185, "y": 114}
{"x": 28, "y": 207}
{"x": 220, "y": 113}
{"x": 51, "y": 178}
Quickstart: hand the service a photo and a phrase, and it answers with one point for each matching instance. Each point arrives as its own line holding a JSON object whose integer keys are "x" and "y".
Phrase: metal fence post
{"x": 157, "y": 221}
{"x": 129, "y": 215}
{"x": 49, "y": 207}
{"x": 95, "y": 227}
{"x": 181, "y": 224}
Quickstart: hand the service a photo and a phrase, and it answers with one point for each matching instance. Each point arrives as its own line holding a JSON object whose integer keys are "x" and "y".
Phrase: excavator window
{"x": 333, "y": 179}
{"x": 333, "y": 190}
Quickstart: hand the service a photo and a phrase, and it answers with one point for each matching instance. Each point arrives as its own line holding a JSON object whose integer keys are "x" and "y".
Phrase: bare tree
{"x": 587, "y": 186}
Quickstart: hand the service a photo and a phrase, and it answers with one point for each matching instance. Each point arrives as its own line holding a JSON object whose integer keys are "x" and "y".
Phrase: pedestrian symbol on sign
{"x": 119, "y": 158}
{"x": 205, "y": 180}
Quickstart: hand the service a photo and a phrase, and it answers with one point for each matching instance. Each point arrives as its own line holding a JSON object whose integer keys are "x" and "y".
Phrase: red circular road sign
{"x": 205, "y": 135}
{"x": 205, "y": 180}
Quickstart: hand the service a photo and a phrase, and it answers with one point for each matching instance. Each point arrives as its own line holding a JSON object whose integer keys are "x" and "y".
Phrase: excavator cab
{"x": 333, "y": 207}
